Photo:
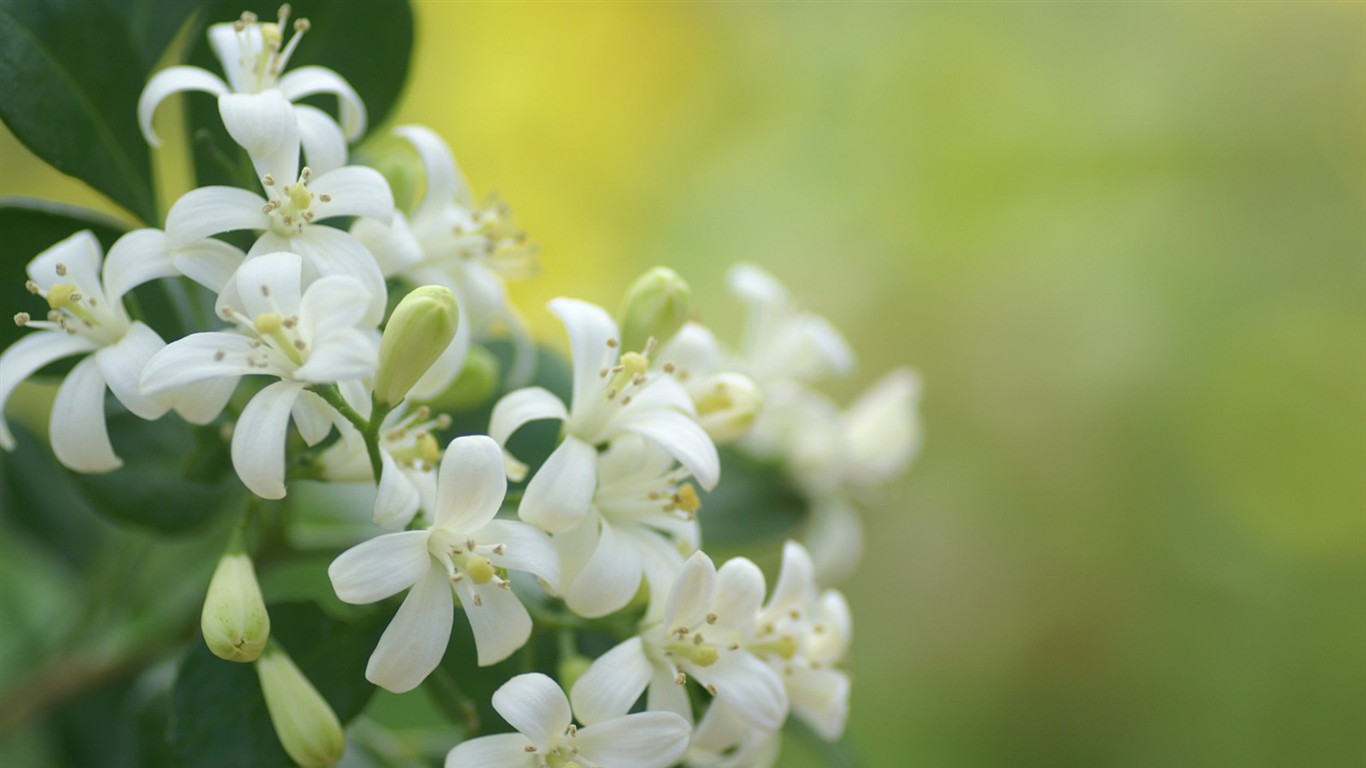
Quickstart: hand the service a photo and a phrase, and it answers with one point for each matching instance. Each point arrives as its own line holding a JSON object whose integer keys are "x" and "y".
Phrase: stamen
{"x": 22, "y": 319}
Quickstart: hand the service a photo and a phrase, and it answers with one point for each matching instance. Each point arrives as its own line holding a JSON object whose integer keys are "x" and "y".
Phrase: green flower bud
{"x": 396, "y": 161}
{"x": 419, "y": 330}
{"x": 728, "y": 406}
{"x": 476, "y": 384}
{"x": 571, "y": 668}
{"x": 656, "y": 306}
{"x": 307, "y": 727}
{"x": 234, "y": 620}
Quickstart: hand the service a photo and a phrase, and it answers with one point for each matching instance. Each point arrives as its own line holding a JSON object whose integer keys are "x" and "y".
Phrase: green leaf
{"x": 71, "y": 73}
{"x": 367, "y": 43}
{"x": 753, "y": 503}
{"x": 218, "y": 716}
{"x": 153, "y": 489}
{"x": 30, "y": 226}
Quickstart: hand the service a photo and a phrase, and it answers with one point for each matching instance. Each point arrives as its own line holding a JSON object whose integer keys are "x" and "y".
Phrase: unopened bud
{"x": 728, "y": 406}
{"x": 304, "y": 722}
{"x": 476, "y": 384}
{"x": 421, "y": 327}
{"x": 234, "y": 620}
{"x": 656, "y": 306}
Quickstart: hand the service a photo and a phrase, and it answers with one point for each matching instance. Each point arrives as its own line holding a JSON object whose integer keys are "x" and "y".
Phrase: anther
{"x": 711, "y": 618}
{"x": 669, "y": 367}
{"x": 711, "y": 689}
{"x": 219, "y": 355}
{"x": 32, "y": 287}
{"x": 21, "y": 319}
{"x": 612, "y": 343}
{"x": 268, "y": 180}
{"x": 325, "y": 198}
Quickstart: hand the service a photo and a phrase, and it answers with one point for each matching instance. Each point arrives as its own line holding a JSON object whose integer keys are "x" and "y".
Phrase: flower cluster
{"x": 602, "y": 534}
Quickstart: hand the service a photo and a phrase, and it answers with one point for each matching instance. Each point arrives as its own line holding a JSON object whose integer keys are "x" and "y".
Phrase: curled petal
{"x": 692, "y": 593}
{"x": 445, "y": 183}
{"x": 195, "y": 358}
{"x": 322, "y": 140}
{"x": 609, "y": 580}
{"x": 558, "y": 496}
{"x": 207, "y": 211}
{"x": 397, "y": 500}
{"x": 683, "y": 437}
{"x": 80, "y": 438}
{"x": 751, "y": 687}
{"x": 209, "y": 262}
{"x": 592, "y": 339}
{"x": 121, "y": 365}
{"x": 169, "y": 81}
{"x": 134, "y": 259}
{"x": 353, "y": 191}
{"x": 28, "y": 355}
{"x": 306, "y": 81}
{"x": 523, "y": 406}
{"x": 265, "y": 126}
{"x": 739, "y": 593}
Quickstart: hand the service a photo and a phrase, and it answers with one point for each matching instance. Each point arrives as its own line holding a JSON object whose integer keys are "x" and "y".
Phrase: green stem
{"x": 368, "y": 428}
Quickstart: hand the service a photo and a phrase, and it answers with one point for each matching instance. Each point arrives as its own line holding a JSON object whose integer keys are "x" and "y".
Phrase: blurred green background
{"x": 1124, "y": 243}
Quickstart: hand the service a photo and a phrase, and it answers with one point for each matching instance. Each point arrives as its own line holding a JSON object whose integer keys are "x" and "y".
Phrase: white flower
{"x": 804, "y": 633}
{"x": 546, "y": 735}
{"x": 317, "y": 336}
{"x": 724, "y": 740}
{"x": 613, "y": 396}
{"x": 87, "y": 317}
{"x": 781, "y": 341}
{"x": 409, "y": 455}
{"x": 463, "y": 550}
{"x": 448, "y": 240}
{"x": 289, "y": 219}
{"x": 642, "y": 522}
{"x": 702, "y": 633}
{"x": 253, "y": 55}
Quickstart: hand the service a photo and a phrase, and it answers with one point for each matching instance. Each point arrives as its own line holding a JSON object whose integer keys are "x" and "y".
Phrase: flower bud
{"x": 476, "y": 384}
{"x": 234, "y": 620}
{"x": 728, "y": 405}
{"x": 307, "y": 727}
{"x": 419, "y": 330}
{"x": 656, "y": 306}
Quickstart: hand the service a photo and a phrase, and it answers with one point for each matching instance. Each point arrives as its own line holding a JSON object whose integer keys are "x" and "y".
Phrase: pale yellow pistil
{"x": 270, "y": 325}
{"x": 290, "y": 206}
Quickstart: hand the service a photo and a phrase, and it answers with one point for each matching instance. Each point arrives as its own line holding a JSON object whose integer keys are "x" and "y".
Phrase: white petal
{"x": 835, "y": 536}
{"x": 207, "y": 211}
{"x": 445, "y": 183}
{"x": 558, "y": 496}
{"x": 472, "y": 484}
{"x": 306, "y": 81}
{"x": 662, "y": 392}
{"x": 684, "y": 438}
{"x": 414, "y": 642}
{"x": 882, "y": 427}
{"x": 209, "y": 262}
{"x": 503, "y": 750}
{"x": 393, "y": 245}
{"x": 346, "y": 353}
{"x": 195, "y": 358}
{"x": 662, "y": 564}
{"x": 500, "y": 622}
{"x": 258, "y": 440}
{"x": 135, "y": 258}
{"x": 201, "y": 403}
{"x": 609, "y": 580}
{"x": 329, "y": 251}
{"x": 612, "y": 683}
{"x": 265, "y": 126}
{"x": 590, "y": 329}
{"x": 271, "y": 282}
{"x": 321, "y": 138}
{"x": 821, "y": 698}
{"x": 666, "y": 695}
{"x": 751, "y": 687}
{"x": 313, "y": 417}
{"x": 693, "y": 349}
{"x": 520, "y": 407}
{"x": 642, "y": 740}
{"x": 335, "y": 301}
{"x": 535, "y": 706}
{"x": 796, "y": 581}
{"x": 121, "y": 366}
{"x": 80, "y": 438}
{"x": 79, "y": 256}
{"x": 528, "y": 550}
{"x": 26, "y": 356}
{"x": 739, "y": 593}
{"x": 236, "y": 52}
{"x": 397, "y": 500}
{"x": 380, "y": 567}
{"x": 354, "y": 191}
{"x": 690, "y": 598}
{"x": 173, "y": 80}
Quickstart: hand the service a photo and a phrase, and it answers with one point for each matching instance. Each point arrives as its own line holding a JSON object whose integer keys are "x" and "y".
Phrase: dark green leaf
{"x": 40, "y": 500}
{"x": 754, "y": 502}
{"x": 71, "y": 78}
{"x": 152, "y": 489}
{"x": 218, "y": 716}
{"x": 368, "y": 43}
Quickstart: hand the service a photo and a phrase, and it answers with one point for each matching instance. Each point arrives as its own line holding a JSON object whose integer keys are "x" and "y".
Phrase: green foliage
{"x": 754, "y": 503}
{"x": 71, "y": 73}
{"x": 218, "y": 715}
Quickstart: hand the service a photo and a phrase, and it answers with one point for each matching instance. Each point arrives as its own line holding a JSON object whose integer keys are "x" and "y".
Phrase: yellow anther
{"x": 480, "y": 570}
{"x": 299, "y": 196}
{"x": 427, "y": 448}
{"x": 686, "y": 499}
{"x": 268, "y": 323}
{"x": 270, "y": 33}
{"x": 60, "y": 295}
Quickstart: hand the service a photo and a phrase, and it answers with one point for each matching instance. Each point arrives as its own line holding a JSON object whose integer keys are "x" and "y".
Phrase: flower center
{"x": 263, "y": 62}
{"x": 71, "y": 311}
{"x": 411, "y": 442}
{"x": 467, "y": 558}
{"x": 291, "y": 206}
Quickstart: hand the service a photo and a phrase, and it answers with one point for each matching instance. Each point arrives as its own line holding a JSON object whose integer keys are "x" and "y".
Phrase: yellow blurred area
{"x": 1125, "y": 246}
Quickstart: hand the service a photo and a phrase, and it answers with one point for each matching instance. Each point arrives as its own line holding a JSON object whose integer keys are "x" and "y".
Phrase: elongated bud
{"x": 419, "y": 330}
{"x": 728, "y": 406}
{"x": 656, "y": 306}
{"x": 476, "y": 384}
{"x": 307, "y": 727}
{"x": 234, "y": 620}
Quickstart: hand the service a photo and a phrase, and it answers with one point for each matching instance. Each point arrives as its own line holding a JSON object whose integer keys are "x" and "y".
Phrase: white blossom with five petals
{"x": 461, "y": 554}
